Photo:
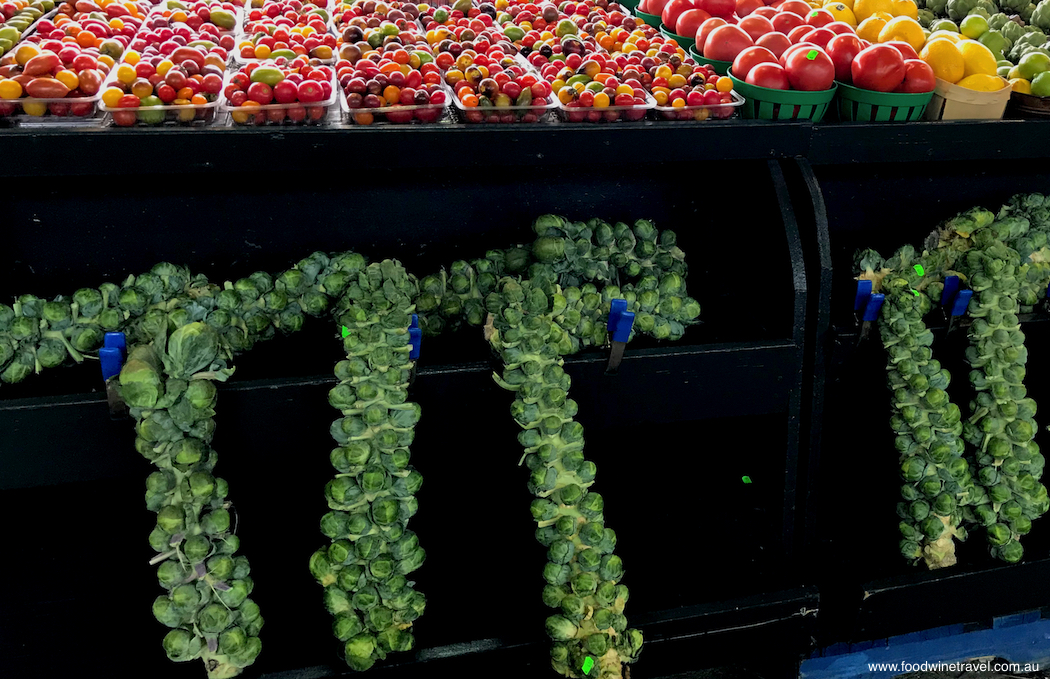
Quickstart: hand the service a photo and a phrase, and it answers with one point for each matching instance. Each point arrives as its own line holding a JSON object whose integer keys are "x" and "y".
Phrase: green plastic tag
{"x": 812, "y": 54}
{"x": 915, "y": 291}
{"x": 813, "y": 13}
{"x": 346, "y": 331}
{"x": 588, "y": 663}
{"x": 919, "y": 270}
{"x": 745, "y": 479}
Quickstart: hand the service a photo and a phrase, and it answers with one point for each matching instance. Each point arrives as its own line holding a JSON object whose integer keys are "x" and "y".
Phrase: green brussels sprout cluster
{"x": 1002, "y": 426}
{"x": 37, "y": 334}
{"x": 363, "y": 570}
{"x": 936, "y": 475}
{"x": 169, "y": 386}
{"x": 447, "y": 299}
{"x": 583, "y": 574}
{"x": 1028, "y": 216}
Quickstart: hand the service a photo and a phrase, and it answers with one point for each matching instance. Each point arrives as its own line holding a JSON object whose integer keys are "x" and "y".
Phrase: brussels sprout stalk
{"x": 937, "y": 481}
{"x": 363, "y": 570}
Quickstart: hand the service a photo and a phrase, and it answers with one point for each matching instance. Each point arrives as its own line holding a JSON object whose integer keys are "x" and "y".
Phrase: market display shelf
{"x": 41, "y": 150}
{"x": 699, "y": 381}
{"x": 982, "y": 594}
{"x": 197, "y": 150}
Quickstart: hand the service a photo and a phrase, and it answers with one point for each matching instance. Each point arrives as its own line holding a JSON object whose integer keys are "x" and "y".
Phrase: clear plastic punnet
{"x": 397, "y": 114}
{"x": 701, "y": 112}
{"x": 608, "y": 114}
{"x": 295, "y": 113}
{"x": 35, "y": 111}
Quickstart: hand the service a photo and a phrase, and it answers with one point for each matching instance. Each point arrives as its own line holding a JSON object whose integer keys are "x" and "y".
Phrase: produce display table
{"x": 769, "y": 216}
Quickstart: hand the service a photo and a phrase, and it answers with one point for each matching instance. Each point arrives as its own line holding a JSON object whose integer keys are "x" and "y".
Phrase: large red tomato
{"x": 800, "y": 46}
{"x": 879, "y": 68}
{"x": 810, "y": 70}
{"x": 689, "y": 22}
{"x": 799, "y": 33}
{"x": 839, "y": 27}
{"x": 785, "y": 21}
{"x": 746, "y": 7}
{"x": 798, "y": 7}
{"x": 906, "y": 50}
{"x": 725, "y": 42}
{"x": 918, "y": 77}
{"x": 655, "y": 6}
{"x": 767, "y": 12}
{"x": 842, "y": 49}
{"x": 751, "y": 57}
{"x": 819, "y": 17}
{"x": 755, "y": 26}
{"x": 820, "y": 37}
{"x": 672, "y": 10}
{"x": 772, "y": 76}
{"x": 774, "y": 42}
{"x": 705, "y": 30}
{"x": 718, "y": 8}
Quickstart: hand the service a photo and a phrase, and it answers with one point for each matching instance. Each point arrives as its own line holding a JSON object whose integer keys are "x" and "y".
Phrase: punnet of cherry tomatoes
{"x": 172, "y": 71}
{"x": 490, "y": 85}
{"x": 19, "y": 18}
{"x": 289, "y": 94}
{"x": 385, "y": 87}
{"x": 287, "y": 28}
{"x": 54, "y": 77}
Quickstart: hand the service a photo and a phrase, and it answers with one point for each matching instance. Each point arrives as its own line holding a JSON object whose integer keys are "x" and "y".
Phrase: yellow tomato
{"x": 111, "y": 96}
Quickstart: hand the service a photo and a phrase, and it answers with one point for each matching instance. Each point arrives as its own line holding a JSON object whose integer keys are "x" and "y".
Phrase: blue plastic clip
{"x": 111, "y": 355}
{"x": 871, "y": 310}
{"x": 951, "y": 288}
{"x": 617, "y": 308}
{"x": 415, "y": 338}
{"x": 622, "y": 331}
{"x": 863, "y": 295}
{"x": 962, "y": 300}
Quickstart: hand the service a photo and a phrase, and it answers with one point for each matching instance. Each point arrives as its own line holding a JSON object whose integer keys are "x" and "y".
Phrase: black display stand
{"x": 772, "y": 385}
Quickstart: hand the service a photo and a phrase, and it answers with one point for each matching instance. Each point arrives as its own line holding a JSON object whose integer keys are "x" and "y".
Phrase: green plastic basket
{"x": 721, "y": 67}
{"x": 857, "y": 105}
{"x": 650, "y": 19}
{"x": 683, "y": 42}
{"x": 764, "y": 103}
{"x": 630, "y": 5}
